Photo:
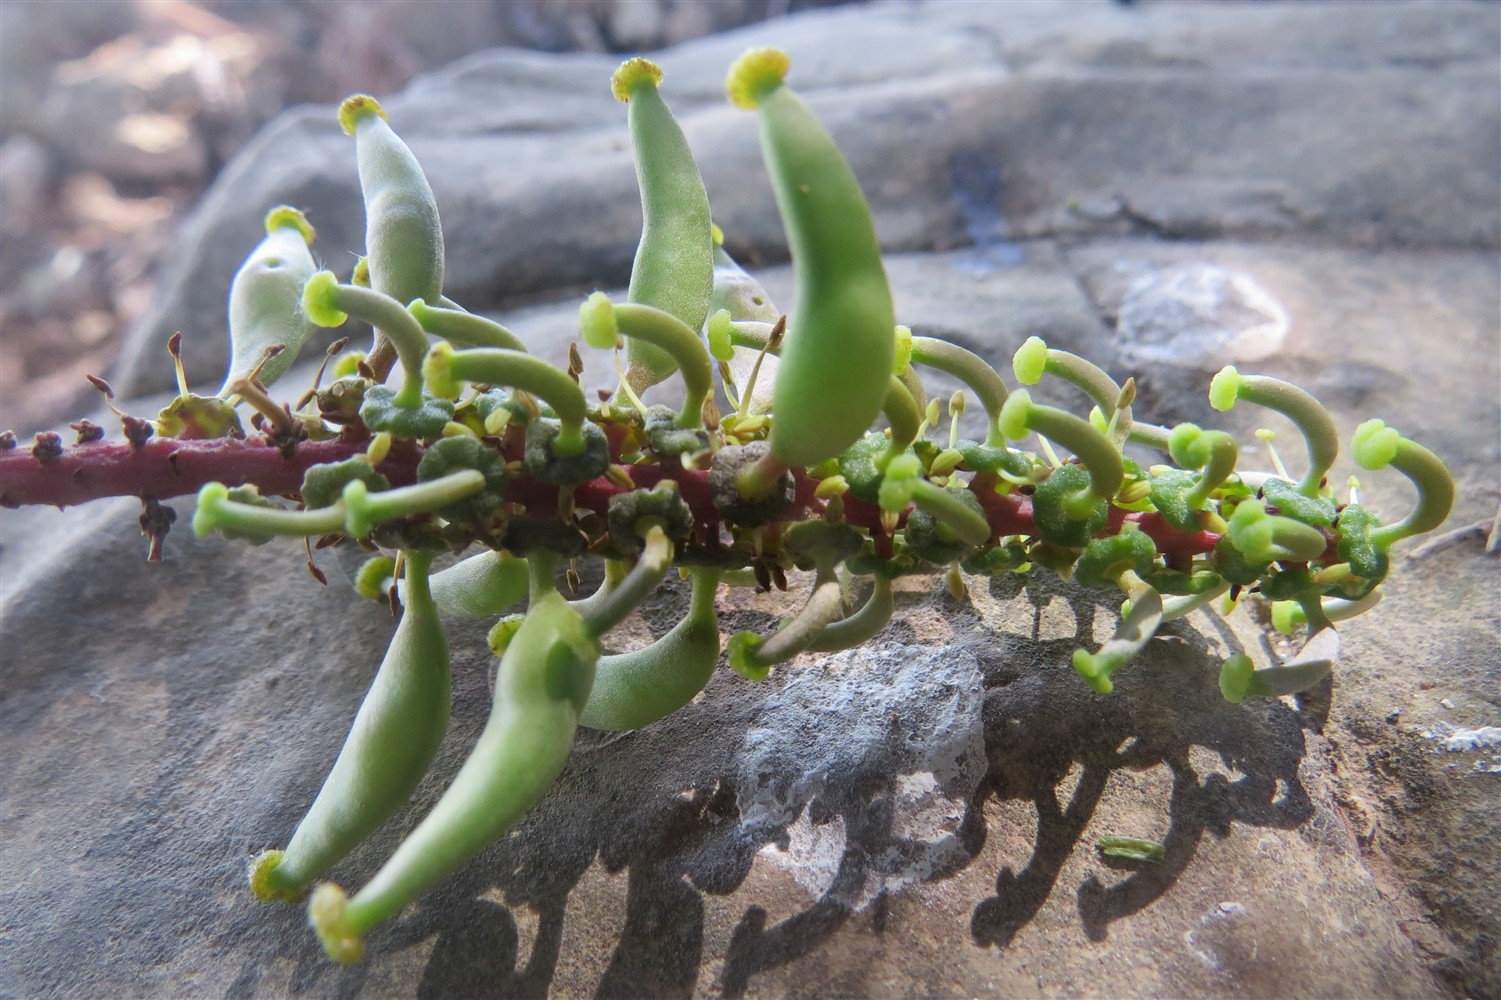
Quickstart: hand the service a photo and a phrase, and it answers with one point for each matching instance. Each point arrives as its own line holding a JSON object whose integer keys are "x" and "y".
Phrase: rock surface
{"x": 1144, "y": 185}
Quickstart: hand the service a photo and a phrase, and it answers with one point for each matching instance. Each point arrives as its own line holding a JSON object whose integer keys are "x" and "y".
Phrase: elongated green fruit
{"x": 444, "y": 369}
{"x": 674, "y": 267}
{"x": 403, "y": 238}
{"x": 1376, "y": 446}
{"x": 480, "y": 586}
{"x": 841, "y": 339}
{"x": 541, "y": 686}
{"x": 635, "y": 689}
{"x": 1095, "y": 452}
{"x": 753, "y": 655}
{"x": 395, "y": 735}
{"x": 600, "y": 321}
{"x": 1133, "y": 633}
{"x": 1307, "y": 413}
{"x": 863, "y": 625}
{"x": 265, "y": 300}
{"x": 328, "y": 303}
{"x": 972, "y": 370}
{"x": 463, "y": 327}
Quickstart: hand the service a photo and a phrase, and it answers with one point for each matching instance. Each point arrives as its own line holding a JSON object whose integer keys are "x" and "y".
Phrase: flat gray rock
{"x": 1164, "y": 189}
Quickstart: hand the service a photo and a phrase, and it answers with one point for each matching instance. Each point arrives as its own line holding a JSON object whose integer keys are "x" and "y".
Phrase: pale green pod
{"x": 637, "y": 688}
{"x": 390, "y": 746}
{"x": 841, "y": 336}
{"x": 541, "y": 686}
{"x": 403, "y": 237}
{"x": 674, "y": 269}
{"x": 265, "y": 300}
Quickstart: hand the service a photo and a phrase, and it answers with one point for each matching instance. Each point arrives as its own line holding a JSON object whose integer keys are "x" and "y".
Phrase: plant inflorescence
{"x": 831, "y": 458}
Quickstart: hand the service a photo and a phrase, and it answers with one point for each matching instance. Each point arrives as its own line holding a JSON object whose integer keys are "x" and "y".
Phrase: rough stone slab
{"x": 958, "y": 141}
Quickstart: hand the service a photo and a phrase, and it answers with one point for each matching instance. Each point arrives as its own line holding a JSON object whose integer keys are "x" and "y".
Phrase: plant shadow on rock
{"x": 674, "y": 806}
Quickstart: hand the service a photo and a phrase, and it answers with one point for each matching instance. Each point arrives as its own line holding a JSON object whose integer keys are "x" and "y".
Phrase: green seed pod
{"x": 1376, "y": 446}
{"x": 265, "y": 300}
{"x": 403, "y": 237}
{"x": 454, "y": 453}
{"x": 674, "y": 267}
{"x": 1135, "y": 631}
{"x": 1053, "y": 514}
{"x": 395, "y": 735}
{"x": 635, "y": 689}
{"x": 544, "y": 462}
{"x": 1105, "y": 559}
{"x": 633, "y": 512}
{"x": 837, "y": 358}
{"x": 731, "y": 502}
{"x": 381, "y": 413}
{"x": 935, "y": 541}
{"x": 1271, "y": 537}
{"x": 541, "y": 686}
{"x": 1317, "y": 511}
{"x": 1311, "y": 418}
{"x": 323, "y": 485}
{"x": 863, "y": 625}
{"x": 859, "y": 465}
{"x": 480, "y": 586}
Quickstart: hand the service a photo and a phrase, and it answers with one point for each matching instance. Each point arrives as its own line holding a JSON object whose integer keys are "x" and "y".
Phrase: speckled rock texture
{"x": 1163, "y": 188}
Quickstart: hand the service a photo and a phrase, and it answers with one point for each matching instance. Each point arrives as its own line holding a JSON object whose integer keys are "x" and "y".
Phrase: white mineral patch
{"x": 1199, "y": 315}
{"x": 885, "y": 731}
{"x": 1455, "y": 740}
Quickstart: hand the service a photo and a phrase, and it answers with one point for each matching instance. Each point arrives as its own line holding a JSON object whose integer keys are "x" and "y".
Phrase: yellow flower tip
{"x": 716, "y": 234}
{"x": 1030, "y": 361}
{"x": 1015, "y": 415}
{"x": 755, "y": 75}
{"x": 1224, "y": 389}
{"x": 634, "y": 73}
{"x": 261, "y": 867}
{"x": 356, "y": 109}
{"x": 318, "y": 300}
{"x": 437, "y": 372}
{"x": 597, "y": 322}
{"x": 1375, "y": 444}
{"x": 361, "y": 275}
{"x": 283, "y": 216}
{"x": 327, "y": 911}
{"x": 902, "y": 358}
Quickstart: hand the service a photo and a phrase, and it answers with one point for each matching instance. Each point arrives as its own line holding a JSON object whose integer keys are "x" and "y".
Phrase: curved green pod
{"x": 541, "y": 687}
{"x": 862, "y": 626}
{"x": 674, "y": 266}
{"x": 390, "y": 746}
{"x": 840, "y": 345}
{"x": 265, "y": 300}
{"x": 637, "y": 688}
{"x": 403, "y": 237}
{"x": 480, "y": 586}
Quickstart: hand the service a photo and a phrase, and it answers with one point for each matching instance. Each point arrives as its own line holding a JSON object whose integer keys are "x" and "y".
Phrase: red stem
{"x": 163, "y": 468}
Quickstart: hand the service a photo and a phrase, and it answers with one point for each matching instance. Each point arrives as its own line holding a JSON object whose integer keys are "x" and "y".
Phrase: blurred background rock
{"x": 116, "y": 115}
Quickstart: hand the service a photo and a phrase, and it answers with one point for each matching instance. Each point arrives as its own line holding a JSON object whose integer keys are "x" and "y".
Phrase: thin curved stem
{"x": 971, "y": 369}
